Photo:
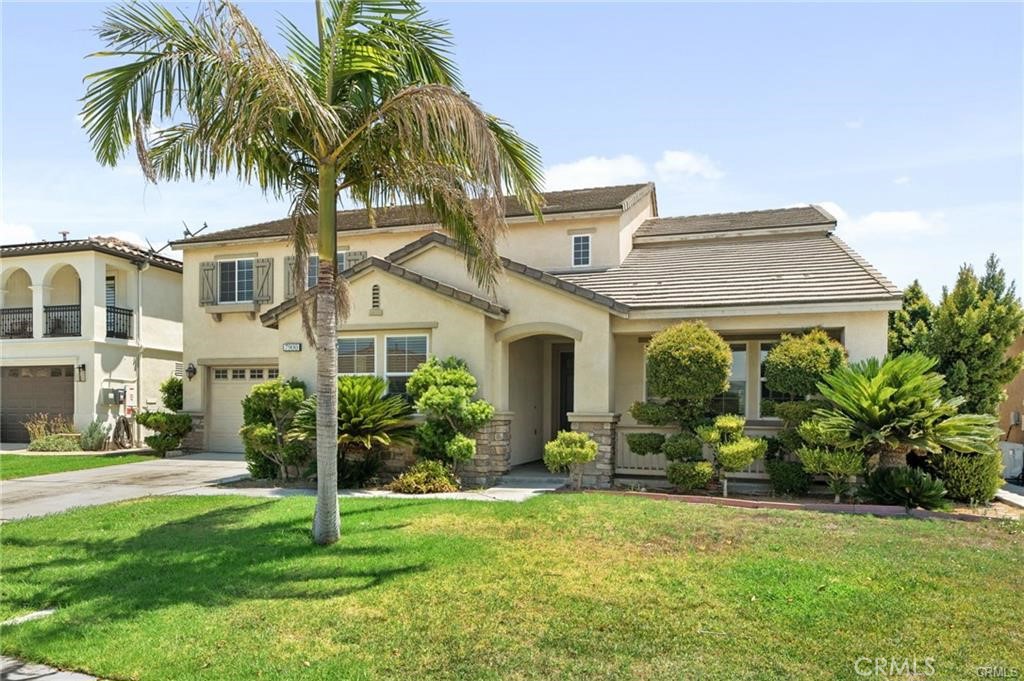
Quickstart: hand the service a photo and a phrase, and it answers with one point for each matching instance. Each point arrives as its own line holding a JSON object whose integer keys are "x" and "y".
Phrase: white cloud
{"x": 129, "y": 236}
{"x": 685, "y": 164}
{"x": 902, "y": 179}
{"x": 897, "y": 224}
{"x": 855, "y": 124}
{"x": 17, "y": 233}
{"x": 595, "y": 171}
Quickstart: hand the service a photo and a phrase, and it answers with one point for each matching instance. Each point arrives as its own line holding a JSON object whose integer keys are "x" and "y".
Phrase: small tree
{"x": 973, "y": 328}
{"x": 268, "y": 412}
{"x": 910, "y": 326}
{"x": 733, "y": 450}
{"x": 839, "y": 466}
{"x": 169, "y": 429}
{"x": 797, "y": 364}
{"x": 570, "y": 450}
{"x": 443, "y": 391}
{"x": 171, "y": 393}
{"x": 687, "y": 365}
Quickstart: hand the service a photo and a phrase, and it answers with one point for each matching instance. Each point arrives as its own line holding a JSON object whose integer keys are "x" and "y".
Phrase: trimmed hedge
{"x": 797, "y": 364}
{"x": 55, "y": 443}
{"x": 974, "y": 478}
{"x": 687, "y": 475}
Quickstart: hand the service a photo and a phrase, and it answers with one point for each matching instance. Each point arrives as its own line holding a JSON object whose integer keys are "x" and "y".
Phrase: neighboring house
{"x": 79, "y": 320}
{"x": 1011, "y": 408}
{"x": 560, "y": 343}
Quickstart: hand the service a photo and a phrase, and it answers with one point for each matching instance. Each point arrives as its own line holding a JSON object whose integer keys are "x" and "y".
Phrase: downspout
{"x": 142, "y": 266}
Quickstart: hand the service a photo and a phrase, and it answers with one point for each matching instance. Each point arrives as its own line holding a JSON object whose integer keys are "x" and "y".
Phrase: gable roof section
{"x": 271, "y": 317}
{"x": 560, "y": 282}
{"x": 100, "y": 244}
{"x": 617, "y": 198}
{"x": 714, "y": 224}
{"x": 751, "y": 271}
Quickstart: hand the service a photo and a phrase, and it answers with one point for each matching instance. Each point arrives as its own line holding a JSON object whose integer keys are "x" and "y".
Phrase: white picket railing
{"x": 628, "y": 463}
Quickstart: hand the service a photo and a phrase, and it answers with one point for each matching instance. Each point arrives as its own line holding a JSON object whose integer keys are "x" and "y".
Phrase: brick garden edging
{"x": 879, "y": 510}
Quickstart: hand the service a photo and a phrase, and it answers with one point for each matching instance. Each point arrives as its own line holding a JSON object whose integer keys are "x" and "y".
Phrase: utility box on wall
{"x": 114, "y": 396}
{"x": 1013, "y": 459}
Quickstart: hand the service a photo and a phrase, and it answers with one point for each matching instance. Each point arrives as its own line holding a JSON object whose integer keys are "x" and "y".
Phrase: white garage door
{"x": 228, "y": 386}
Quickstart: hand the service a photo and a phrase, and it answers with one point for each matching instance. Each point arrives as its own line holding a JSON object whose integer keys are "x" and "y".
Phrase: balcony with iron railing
{"x": 62, "y": 321}
{"x": 119, "y": 322}
{"x": 16, "y": 322}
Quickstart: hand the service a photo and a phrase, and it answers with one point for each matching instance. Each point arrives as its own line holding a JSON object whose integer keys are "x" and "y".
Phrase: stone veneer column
{"x": 194, "y": 440}
{"x": 600, "y": 472}
{"x": 493, "y": 453}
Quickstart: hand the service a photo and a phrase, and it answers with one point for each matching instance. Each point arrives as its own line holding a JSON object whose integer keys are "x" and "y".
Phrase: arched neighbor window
{"x": 375, "y": 297}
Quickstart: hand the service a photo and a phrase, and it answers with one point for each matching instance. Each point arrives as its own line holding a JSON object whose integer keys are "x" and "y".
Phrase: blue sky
{"x": 904, "y": 120}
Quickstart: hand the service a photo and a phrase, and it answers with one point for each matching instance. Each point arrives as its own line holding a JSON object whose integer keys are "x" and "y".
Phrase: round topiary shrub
{"x": 687, "y": 475}
{"x": 570, "y": 450}
{"x": 645, "y": 443}
{"x": 797, "y": 364}
{"x": 974, "y": 478}
{"x": 688, "y": 361}
{"x": 683, "y": 447}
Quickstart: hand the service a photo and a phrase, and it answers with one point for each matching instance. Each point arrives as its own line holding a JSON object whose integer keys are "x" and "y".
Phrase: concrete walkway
{"x": 1011, "y": 494}
{"x": 16, "y": 670}
{"x": 45, "y": 494}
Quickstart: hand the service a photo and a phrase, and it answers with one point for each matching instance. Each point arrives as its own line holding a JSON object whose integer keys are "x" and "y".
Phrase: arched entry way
{"x": 540, "y": 391}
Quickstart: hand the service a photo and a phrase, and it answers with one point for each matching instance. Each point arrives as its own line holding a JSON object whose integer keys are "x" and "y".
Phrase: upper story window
{"x": 235, "y": 278}
{"x": 357, "y": 355}
{"x": 580, "y": 250}
{"x": 110, "y": 291}
{"x": 314, "y": 267}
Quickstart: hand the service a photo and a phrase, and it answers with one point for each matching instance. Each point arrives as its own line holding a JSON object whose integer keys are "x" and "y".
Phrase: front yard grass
{"x": 579, "y": 586}
{"x": 24, "y": 465}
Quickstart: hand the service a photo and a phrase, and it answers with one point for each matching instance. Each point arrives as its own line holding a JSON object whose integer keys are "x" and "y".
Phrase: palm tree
{"x": 371, "y": 105}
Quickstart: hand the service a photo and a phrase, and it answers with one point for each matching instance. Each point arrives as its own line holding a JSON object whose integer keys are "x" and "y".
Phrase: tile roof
{"x": 710, "y": 224}
{"x": 555, "y": 203}
{"x": 101, "y": 244}
{"x": 742, "y": 271}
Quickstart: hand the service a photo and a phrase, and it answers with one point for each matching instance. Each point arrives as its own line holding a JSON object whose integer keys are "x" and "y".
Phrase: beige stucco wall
{"x": 1014, "y": 400}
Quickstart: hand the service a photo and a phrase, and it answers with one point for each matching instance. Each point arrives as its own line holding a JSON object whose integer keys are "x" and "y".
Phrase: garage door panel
{"x": 25, "y": 391}
{"x": 228, "y": 387}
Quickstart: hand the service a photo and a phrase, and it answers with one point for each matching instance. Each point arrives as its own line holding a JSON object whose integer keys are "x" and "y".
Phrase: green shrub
{"x": 426, "y": 476}
{"x": 55, "y": 443}
{"x": 688, "y": 361}
{"x": 908, "y": 487}
{"x": 170, "y": 429}
{"x": 733, "y": 450}
{"x": 788, "y": 478}
{"x": 974, "y": 478}
{"x": 268, "y": 416}
{"x": 837, "y": 465}
{"x": 796, "y": 412}
{"x": 688, "y": 475}
{"x": 171, "y": 393}
{"x": 683, "y": 447}
{"x": 570, "y": 450}
{"x": 654, "y": 413}
{"x": 94, "y": 437}
{"x": 443, "y": 391}
{"x": 798, "y": 363}
{"x": 645, "y": 443}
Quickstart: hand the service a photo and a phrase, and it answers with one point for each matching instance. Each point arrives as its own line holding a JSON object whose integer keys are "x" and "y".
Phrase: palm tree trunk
{"x": 326, "y": 520}
{"x": 892, "y": 457}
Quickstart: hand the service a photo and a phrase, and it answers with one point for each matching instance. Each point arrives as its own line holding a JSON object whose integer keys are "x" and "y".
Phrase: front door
{"x": 565, "y": 384}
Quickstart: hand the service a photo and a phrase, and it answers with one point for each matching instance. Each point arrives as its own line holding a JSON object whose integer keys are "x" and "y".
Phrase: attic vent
{"x": 179, "y": 369}
{"x": 375, "y": 297}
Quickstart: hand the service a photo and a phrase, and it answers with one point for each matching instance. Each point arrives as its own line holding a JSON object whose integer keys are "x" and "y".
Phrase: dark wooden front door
{"x": 565, "y": 384}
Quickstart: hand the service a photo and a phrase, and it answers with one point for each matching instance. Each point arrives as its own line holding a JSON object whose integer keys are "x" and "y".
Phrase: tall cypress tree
{"x": 910, "y": 325}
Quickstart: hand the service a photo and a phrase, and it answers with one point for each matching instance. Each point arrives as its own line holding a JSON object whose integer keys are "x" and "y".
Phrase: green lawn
{"x": 562, "y": 586}
{"x": 23, "y": 465}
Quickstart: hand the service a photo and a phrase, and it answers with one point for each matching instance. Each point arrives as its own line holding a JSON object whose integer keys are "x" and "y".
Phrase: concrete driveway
{"x": 44, "y": 494}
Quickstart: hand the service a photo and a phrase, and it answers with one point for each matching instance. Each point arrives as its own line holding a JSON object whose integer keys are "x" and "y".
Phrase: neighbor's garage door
{"x": 25, "y": 391}
{"x": 228, "y": 386}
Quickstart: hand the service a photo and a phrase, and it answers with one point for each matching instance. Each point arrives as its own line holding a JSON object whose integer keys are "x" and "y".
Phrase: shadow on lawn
{"x": 209, "y": 559}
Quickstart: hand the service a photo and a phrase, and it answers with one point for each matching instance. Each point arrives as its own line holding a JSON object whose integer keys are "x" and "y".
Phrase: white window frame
{"x": 572, "y": 249}
{"x": 220, "y": 292}
{"x": 376, "y": 355}
{"x": 389, "y": 374}
{"x": 313, "y": 263}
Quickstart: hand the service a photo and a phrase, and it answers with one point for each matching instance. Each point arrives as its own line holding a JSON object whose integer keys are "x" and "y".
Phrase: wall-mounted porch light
{"x": 191, "y": 371}
{"x": 81, "y": 373}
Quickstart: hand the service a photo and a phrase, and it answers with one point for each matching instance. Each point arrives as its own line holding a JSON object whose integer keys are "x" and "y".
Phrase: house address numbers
{"x": 291, "y": 347}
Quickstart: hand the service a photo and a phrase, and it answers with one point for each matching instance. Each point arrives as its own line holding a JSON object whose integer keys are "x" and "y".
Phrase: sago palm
{"x": 892, "y": 407}
{"x": 370, "y": 105}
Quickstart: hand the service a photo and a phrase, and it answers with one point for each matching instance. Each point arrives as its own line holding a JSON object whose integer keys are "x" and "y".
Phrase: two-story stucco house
{"x": 80, "y": 319}
{"x": 560, "y": 343}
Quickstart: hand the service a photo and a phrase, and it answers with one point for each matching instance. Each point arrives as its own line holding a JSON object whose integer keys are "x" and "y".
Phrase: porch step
{"x": 531, "y": 481}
